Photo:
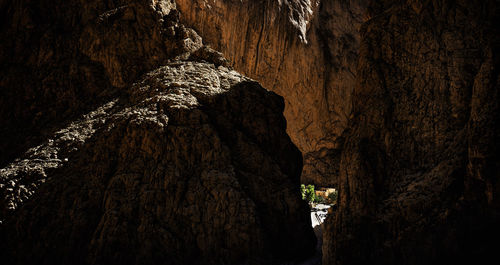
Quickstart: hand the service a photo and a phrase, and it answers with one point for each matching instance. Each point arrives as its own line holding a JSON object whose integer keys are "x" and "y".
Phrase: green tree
{"x": 303, "y": 191}
{"x": 310, "y": 194}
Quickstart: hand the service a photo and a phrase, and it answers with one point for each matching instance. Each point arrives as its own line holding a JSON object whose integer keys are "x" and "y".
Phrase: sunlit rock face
{"x": 305, "y": 51}
{"x": 129, "y": 142}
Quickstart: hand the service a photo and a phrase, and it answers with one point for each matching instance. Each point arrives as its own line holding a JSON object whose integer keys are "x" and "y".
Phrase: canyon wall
{"x": 396, "y": 103}
{"x": 60, "y": 59}
{"x": 419, "y": 180}
{"x": 126, "y": 141}
{"x": 304, "y": 50}
{"x": 393, "y": 102}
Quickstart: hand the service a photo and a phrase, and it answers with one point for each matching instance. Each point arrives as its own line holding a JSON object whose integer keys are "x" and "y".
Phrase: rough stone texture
{"x": 304, "y": 50}
{"x": 394, "y": 102}
{"x": 60, "y": 59}
{"x": 419, "y": 172}
{"x": 189, "y": 165}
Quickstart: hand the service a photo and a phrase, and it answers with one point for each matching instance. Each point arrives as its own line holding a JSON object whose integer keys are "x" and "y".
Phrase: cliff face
{"x": 303, "y": 50}
{"x": 420, "y": 166}
{"x": 171, "y": 172}
{"x": 394, "y": 102}
{"x": 188, "y": 164}
{"x": 60, "y": 59}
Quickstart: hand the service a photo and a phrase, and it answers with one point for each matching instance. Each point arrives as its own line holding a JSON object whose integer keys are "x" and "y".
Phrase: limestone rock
{"x": 419, "y": 171}
{"x": 304, "y": 50}
{"x": 191, "y": 166}
{"x": 126, "y": 141}
{"x": 61, "y": 59}
{"x": 394, "y": 102}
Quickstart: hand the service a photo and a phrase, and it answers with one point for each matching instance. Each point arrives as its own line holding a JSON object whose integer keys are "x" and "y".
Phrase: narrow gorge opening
{"x": 322, "y": 202}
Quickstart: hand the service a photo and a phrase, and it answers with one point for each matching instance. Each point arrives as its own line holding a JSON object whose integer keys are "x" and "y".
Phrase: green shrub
{"x": 332, "y": 197}
{"x": 303, "y": 191}
{"x": 308, "y": 194}
{"x": 318, "y": 199}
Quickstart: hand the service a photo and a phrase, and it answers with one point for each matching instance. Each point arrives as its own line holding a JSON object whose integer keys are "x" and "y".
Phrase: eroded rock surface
{"x": 394, "y": 102}
{"x": 304, "y": 50}
{"x": 61, "y": 59}
{"x": 188, "y": 164}
{"x": 191, "y": 166}
{"x": 419, "y": 173}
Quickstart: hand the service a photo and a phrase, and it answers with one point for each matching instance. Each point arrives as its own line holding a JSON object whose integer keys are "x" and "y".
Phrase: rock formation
{"x": 188, "y": 164}
{"x": 304, "y": 50}
{"x": 419, "y": 180}
{"x": 395, "y": 102}
{"x": 61, "y": 59}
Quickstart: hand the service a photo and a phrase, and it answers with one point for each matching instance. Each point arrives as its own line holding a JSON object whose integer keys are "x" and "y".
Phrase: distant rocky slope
{"x": 126, "y": 141}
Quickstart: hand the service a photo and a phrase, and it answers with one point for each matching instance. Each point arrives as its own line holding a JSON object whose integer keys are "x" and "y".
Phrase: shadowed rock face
{"x": 304, "y": 50}
{"x": 394, "y": 102}
{"x": 188, "y": 164}
{"x": 419, "y": 181}
{"x": 61, "y": 59}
